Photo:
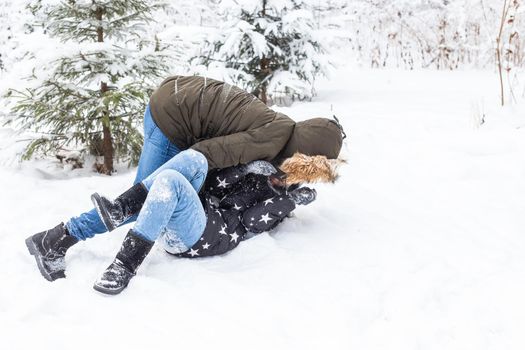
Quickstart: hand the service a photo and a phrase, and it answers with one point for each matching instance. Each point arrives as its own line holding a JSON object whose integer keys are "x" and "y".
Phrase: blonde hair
{"x": 301, "y": 168}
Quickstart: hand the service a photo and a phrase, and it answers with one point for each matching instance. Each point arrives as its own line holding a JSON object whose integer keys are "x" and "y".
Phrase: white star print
{"x": 266, "y": 218}
{"x": 206, "y": 246}
{"x": 222, "y": 183}
{"x": 268, "y": 201}
{"x": 280, "y": 212}
{"x": 223, "y": 230}
{"x": 236, "y": 207}
{"x": 194, "y": 252}
{"x": 253, "y": 219}
{"x": 234, "y": 237}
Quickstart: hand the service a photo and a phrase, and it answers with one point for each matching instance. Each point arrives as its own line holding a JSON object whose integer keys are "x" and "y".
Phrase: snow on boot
{"x": 49, "y": 249}
{"x": 117, "y": 276}
{"x": 114, "y": 213}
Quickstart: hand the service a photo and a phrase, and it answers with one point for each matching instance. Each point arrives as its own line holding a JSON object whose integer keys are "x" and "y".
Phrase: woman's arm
{"x": 222, "y": 179}
{"x": 264, "y": 142}
{"x": 267, "y": 214}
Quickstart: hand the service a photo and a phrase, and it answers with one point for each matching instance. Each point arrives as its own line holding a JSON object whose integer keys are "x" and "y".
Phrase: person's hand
{"x": 260, "y": 167}
{"x": 303, "y": 195}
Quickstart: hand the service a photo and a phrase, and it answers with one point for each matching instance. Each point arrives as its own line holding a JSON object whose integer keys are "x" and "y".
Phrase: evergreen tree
{"x": 269, "y": 47}
{"x": 94, "y": 96}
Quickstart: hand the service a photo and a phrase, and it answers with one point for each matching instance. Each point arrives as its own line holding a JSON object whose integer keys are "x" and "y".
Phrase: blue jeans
{"x": 173, "y": 208}
{"x": 156, "y": 151}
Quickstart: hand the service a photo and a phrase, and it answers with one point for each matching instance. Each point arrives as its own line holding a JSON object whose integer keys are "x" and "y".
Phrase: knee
{"x": 197, "y": 162}
{"x": 168, "y": 180}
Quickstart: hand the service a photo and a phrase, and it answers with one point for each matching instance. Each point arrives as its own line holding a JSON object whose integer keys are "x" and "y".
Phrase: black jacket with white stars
{"x": 236, "y": 204}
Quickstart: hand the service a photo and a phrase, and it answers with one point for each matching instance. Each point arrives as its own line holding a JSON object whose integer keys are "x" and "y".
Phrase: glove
{"x": 303, "y": 195}
{"x": 260, "y": 167}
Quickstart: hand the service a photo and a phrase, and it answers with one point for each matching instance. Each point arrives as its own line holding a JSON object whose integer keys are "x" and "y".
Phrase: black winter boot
{"x": 49, "y": 249}
{"x": 114, "y": 213}
{"x": 117, "y": 276}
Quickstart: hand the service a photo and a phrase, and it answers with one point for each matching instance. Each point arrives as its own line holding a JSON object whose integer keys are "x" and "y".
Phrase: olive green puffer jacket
{"x": 231, "y": 126}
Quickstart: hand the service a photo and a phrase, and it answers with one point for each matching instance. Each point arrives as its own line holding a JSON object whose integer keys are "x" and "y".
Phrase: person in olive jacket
{"x": 222, "y": 123}
{"x": 230, "y": 126}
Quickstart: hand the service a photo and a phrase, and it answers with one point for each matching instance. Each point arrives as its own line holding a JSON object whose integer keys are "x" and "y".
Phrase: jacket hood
{"x": 301, "y": 168}
{"x": 315, "y": 137}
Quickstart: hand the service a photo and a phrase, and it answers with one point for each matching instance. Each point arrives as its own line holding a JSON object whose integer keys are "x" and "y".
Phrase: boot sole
{"x": 107, "y": 291}
{"x": 96, "y": 199}
{"x": 33, "y": 250}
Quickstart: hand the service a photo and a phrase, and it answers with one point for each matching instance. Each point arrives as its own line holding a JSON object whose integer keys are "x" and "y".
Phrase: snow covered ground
{"x": 419, "y": 246}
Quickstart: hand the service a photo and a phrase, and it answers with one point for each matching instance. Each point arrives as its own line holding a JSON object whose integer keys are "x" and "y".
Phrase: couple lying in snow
{"x": 216, "y": 165}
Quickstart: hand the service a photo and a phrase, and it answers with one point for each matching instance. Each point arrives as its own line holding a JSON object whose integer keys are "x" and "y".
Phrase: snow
{"x": 418, "y": 246}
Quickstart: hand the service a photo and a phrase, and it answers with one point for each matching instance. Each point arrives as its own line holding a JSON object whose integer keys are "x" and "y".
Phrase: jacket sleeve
{"x": 262, "y": 143}
{"x": 267, "y": 214}
{"x": 219, "y": 180}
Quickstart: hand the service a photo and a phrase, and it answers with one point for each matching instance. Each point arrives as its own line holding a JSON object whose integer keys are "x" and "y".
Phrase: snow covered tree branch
{"x": 93, "y": 96}
{"x": 270, "y": 48}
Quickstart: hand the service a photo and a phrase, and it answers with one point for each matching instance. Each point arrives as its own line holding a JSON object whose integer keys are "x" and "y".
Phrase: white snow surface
{"x": 420, "y": 244}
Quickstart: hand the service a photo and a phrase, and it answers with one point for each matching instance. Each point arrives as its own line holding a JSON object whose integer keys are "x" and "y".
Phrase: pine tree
{"x": 269, "y": 47}
{"x": 94, "y": 95}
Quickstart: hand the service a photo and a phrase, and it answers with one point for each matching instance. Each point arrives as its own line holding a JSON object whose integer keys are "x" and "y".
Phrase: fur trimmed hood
{"x": 301, "y": 168}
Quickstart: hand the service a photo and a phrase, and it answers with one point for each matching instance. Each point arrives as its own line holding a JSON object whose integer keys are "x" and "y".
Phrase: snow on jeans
{"x": 157, "y": 150}
{"x": 173, "y": 208}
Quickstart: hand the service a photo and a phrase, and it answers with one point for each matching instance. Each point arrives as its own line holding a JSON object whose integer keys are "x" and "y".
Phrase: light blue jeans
{"x": 173, "y": 208}
{"x": 156, "y": 151}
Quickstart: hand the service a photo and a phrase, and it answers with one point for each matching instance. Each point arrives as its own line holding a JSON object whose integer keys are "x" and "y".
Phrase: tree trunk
{"x": 498, "y": 50}
{"x": 264, "y": 73}
{"x": 500, "y": 73}
{"x": 107, "y": 142}
{"x": 264, "y": 65}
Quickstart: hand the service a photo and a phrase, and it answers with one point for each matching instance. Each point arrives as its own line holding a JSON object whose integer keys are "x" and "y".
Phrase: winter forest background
{"x": 52, "y": 55}
{"x": 419, "y": 245}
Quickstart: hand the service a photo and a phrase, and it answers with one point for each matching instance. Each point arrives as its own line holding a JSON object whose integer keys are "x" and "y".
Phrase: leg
{"x": 156, "y": 151}
{"x": 190, "y": 164}
{"x": 172, "y": 207}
